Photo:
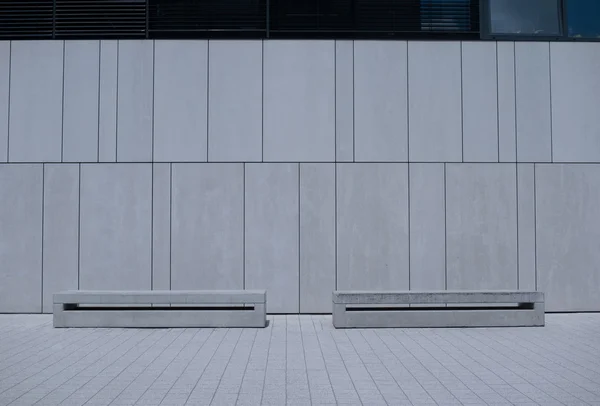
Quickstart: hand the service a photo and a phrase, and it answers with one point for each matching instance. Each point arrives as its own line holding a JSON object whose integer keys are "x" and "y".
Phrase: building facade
{"x": 300, "y": 166}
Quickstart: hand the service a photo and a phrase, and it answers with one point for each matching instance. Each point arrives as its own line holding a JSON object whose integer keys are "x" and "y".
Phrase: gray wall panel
{"x": 235, "y": 101}
{"x": 36, "y": 101}
{"x": 567, "y": 218}
{"x": 115, "y": 226}
{"x": 21, "y": 246}
{"x": 4, "y": 94}
{"x": 575, "y": 101}
{"x": 317, "y": 237}
{"x": 526, "y": 226}
{"x": 134, "y": 100}
{"x": 107, "y": 110}
{"x": 61, "y": 230}
{"x": 380, "y": 103}
{"x": 480, "y": 102}
{"x": 80, "y": 114}
{"x": 272, "y": 234}
{"x": 344, "y": 101}
{"x": 427, "y": 227}
{"x": 534, "y": 129}
{"x": 507, "y": 130}
{"x": 180, "y": 100}
{"x": 161, "y": 226}
{"x": 481, "y": 226}
{"x": 372, "y": 226}
{"x": 435, "y": 113}
{"x": 299, "y": 101}
{"x": 207, "y": 226}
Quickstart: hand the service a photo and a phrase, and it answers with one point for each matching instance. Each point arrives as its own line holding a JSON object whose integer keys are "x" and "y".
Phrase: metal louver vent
{"x": 23, "y": 19}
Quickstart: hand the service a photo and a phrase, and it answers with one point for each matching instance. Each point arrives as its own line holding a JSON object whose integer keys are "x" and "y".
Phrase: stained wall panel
{"x": 481, "y": 226}
{"x": 207, "y": 226}
{"x": 575, "y": 100}
{"x": 480, "y": 102}
{"x": 507, "y": 130}
{"x": 134, "y": 100}
{"x": 235, "y": 101}
{"x": 80, "y": 111}
{"x": 532, "y": 64}
{"x": 115, "y": 226}
{"x": 299, "y": 101}
{"x": 36, "y": 90}
{"x": 344, "y": 101}
{"x": 380, "y": 103}
{"x": 21, "y": 246}
{"x": 567, "y": 218}
{"x": 526, "y": 226}
{"x": 317, "y": 237}
{"x": 272, "y": 234}
{"x": 161, "y": 226}
{"x": 434, "y": 97}
{"x": 4, "y": 94}
{"x": 61, "y": 230}
{"x": 372, "y": 226}
{"x": 107, "y": 109}
{"x": 427, "y": 227}
{"x": 180, "y": 101}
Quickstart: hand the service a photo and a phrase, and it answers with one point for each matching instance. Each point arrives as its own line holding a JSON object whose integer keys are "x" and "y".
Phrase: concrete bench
{"x": 160, "y": 309}
{"x": 359, "y": 309}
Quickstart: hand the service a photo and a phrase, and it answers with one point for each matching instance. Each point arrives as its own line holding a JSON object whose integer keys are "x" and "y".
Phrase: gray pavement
{"x": 300, "y": 360}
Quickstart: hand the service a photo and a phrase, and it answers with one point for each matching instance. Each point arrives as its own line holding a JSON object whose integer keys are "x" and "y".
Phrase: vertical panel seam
{"x": 262, "y": 103}
{"x": 244, "y": 225}
{"x": 535, "y": 225}
{"x": 299, "y": 238}
{"x": 43, "y": 204}
{"x": 335, "y": 100}
{"x": 98, "y": 116}
{"x": 117, "y": 106}
{"x": 515, "y": 95}
{"x": 497, "y": 104}
{"x": 153, "y": 95}
{"x": 62, "y": 124}
{"x": 353, "y": 109}
{"x": 518, "y": 250}
{"x": 462, "y": 108}
{"x": 170, "y": 225}
{"x": 551, "y": 116}
{"x": 335, "y": 165}
{"x": 207, "y": 97}
{"x": 408, "y": 201}
{"x": 152, "y": 227}
{"x": 79, "y": 230}
{"x": 445, "y": 232}
{"x": 407, "y": 111}
{"x": 9, "y": 102}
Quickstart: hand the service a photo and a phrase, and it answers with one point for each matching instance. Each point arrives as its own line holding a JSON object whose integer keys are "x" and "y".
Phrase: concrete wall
{"x": 299, "y": 167}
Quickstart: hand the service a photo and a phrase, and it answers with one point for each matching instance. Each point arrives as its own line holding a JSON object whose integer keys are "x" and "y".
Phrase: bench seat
{"x": 160, "y": 309}
{"x": 500, "y": 308}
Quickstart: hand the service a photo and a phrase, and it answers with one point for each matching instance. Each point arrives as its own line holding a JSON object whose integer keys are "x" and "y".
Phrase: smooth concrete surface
{"x": 161, "y": 226}
{"x": 80, "y": 109}
{"x": 344, "y": 101}
{"x": 135, "y": 97}
{"x": 434, "y": 101}
{"x": 271, "y": 232}
{"x": 180, "y": 100}
{"x": 427, "y": 226}
{"x": 107, "y": 108}
{"x": 235, "y": 103}
{"x": 300, "y": 360}
{"x": 60, "y": 230}
{"x": 575, "y": 100}
{"x": 534, "y": 128}
{"x": 207, "y": 223}
{"x": 317, "y": 237}
{"x": 436, "y": 297}
{"x": 36, "y": 101}
{"x": 4, "y": 97}
{"x": 170, "y": 317}
{"x": 480, "y": 102}
{"x": 526, "y": 226}
{"x": 567, "y": 218}
{"x": 115, "y": 240}
{"x": 507, "y": 126}
{"x": 299, "y": 101}
{"x": 481, "y": 226}
{"x": 372, "y": 226}
{"x": 21, "y": 238}
{"x": 380, "y": 101}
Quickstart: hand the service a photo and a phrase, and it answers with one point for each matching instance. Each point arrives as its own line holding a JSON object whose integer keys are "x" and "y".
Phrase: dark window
{"x": 583, "y": 18}
{"x": 524, "y": 17}
{"x": 446, "y": 15}
{"x": 23, "y": 19}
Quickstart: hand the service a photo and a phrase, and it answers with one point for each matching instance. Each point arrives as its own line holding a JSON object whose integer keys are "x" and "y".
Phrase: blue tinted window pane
{"x": 525, "y": 17}
{"x": 583, "y": 18}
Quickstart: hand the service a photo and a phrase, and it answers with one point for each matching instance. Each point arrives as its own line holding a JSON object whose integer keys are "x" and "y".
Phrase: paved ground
{"x": 300, "y": 360}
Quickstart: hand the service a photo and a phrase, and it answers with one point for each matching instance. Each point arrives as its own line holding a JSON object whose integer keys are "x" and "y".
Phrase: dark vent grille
{"x": 448, "y": 15}
{"x": 207, "y": 18}
{"x": 24, "y": 19}
{"x": 100, "y": 19}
